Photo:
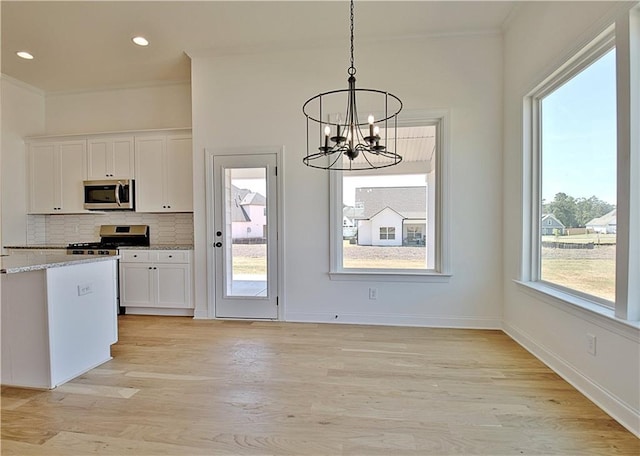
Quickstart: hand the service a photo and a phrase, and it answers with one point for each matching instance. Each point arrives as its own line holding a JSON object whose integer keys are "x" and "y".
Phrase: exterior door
{"x": 245, "y": 236}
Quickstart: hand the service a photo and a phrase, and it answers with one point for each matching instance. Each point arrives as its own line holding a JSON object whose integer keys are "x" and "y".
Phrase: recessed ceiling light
{"x": 140, "y": 40}
{"x": 24, "y": 55}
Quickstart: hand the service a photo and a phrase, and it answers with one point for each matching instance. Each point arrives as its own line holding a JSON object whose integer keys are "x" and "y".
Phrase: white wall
{"x": 161, "y": 106}
{"x": 538, "y": 40}
{"x": 261, "y": 95}
{"x": 22, "y": 115}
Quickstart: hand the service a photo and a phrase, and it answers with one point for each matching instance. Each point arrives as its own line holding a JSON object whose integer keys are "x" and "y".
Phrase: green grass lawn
{"x": 592, "y": 276}
{"x": 590, "y": 271}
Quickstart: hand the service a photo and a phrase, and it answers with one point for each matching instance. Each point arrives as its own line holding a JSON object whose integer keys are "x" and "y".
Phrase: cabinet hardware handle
{"x": 218, "y": 244}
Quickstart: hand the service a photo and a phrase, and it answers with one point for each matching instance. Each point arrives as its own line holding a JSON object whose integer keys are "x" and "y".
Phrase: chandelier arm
{"x": 367, "y": 160}
{"x": 339, "y": 157}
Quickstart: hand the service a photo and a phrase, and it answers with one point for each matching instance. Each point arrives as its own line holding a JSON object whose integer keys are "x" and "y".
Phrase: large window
{"x": 578, "y": 180}
{"x": 583, "y": 176}
{"x": 389, "y": 221}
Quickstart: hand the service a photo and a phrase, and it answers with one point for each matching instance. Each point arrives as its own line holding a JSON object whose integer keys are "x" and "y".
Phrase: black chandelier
{"x": 342, "y": 144}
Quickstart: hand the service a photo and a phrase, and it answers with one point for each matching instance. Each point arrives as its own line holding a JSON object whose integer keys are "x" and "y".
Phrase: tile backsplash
{"x": 64, "y": 229}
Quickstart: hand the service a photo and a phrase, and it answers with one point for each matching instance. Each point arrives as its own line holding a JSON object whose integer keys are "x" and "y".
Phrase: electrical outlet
{"x": 373, "y": 293}
{"x": 85, "y": 289}
{"x": 591, "y": 344}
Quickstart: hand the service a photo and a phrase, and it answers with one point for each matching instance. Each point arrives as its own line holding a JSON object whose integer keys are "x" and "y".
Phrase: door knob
{"x": 218, "y": 244}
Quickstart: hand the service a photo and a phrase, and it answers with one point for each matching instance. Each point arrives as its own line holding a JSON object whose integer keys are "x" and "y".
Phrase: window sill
{"x": 583, "y": 308}
{"x": 383, "y": 276}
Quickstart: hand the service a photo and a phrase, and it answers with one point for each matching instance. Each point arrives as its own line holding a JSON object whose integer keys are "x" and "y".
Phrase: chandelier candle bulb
{"x": 327, "y": 132}
{"x": 371, "y": 119}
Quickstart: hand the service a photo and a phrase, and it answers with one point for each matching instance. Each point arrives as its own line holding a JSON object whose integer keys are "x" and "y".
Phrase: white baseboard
{"x": 159, "y": 311}
{"x": 616, "y": 408}
{"x": 397, "y": 320}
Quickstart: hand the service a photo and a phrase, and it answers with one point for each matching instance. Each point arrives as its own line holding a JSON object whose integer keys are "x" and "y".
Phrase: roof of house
{"x": 609, "y": 218}
{"x": 238, "y": 214}
{"x": 547, "y": 216}
{"x": 241, "y": 197}
{"x": 409, "y": 202}
{"x": 254, "y": 199}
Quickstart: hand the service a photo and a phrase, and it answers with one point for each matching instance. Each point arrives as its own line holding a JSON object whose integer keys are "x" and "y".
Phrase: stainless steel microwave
{"x": 114, "y": 194}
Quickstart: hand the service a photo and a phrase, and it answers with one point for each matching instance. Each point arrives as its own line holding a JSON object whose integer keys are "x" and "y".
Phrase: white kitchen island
{"x": 59, "y": 316}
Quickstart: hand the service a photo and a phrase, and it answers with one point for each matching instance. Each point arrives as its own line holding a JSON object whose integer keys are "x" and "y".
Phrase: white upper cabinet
{"x": 164, "y": 174}
{"x": 179, "y": 173}
{"x": 159, "y": 161}
{"x": 110, "y": 157}
{"x": 56, "y": 172}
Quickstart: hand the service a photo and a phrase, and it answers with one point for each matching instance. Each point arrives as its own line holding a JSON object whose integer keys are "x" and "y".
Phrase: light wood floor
{"x": 178, "y": 386}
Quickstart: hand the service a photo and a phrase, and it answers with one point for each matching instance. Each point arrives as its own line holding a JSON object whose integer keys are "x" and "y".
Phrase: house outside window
{"x": 384, "y": 203}
{"x": 387, "y": 232}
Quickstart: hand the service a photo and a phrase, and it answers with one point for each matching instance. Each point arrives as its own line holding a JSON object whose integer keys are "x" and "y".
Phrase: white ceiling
{"x": 80, "y": 45}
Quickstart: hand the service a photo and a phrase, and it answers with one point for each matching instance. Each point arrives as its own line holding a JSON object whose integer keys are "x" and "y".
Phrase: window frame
{"x": 442, "y": 270}
{"x": 598, "y": 49}
{"x": 624, "y": 35}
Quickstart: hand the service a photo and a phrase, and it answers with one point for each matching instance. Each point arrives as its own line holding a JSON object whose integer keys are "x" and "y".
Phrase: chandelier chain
{"x": 352, "y": 68}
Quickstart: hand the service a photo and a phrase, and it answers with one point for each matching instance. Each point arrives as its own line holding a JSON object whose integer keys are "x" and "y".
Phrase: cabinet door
{"x": 110, "y": 158}
{"x": 123, "y": 162}
{"x": 179, "y": 184}
{"x": 72, "y": 156}
{"x": 98, "y": 152}
{"x": 173, "y": 286}
{"x": 150, "y": 175}
{"x": 137, "y": 285}
{"x": 44, "y": 172}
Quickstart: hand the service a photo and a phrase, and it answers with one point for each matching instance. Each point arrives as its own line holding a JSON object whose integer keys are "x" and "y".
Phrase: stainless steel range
{"x": 111, "y": 238}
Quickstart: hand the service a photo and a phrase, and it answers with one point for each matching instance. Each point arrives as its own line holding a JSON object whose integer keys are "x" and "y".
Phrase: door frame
{"x": 210, "y": 153}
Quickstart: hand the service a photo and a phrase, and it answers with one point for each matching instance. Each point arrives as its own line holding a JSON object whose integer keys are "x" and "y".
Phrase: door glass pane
{"x": 245, "y": 232}
{"x": 578, "y": 222}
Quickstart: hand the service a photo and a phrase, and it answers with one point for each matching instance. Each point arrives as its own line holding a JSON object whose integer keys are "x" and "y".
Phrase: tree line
{"x": 576, "y": 212}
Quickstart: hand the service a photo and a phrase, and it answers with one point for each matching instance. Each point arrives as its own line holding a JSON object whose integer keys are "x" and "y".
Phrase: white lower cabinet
{"x": 156, "y": 282}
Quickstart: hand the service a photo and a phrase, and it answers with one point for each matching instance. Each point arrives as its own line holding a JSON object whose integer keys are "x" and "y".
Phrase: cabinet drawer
{"x": 135, "y": 256}
{"x": 173, "y": 256}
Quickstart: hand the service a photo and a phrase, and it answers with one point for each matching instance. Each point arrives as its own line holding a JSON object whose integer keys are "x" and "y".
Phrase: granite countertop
{"x": 59, "y": 246}
{"x": 26, "y": 262}
{"x": 36, "y": 246}
{"x": 159, "y": 247}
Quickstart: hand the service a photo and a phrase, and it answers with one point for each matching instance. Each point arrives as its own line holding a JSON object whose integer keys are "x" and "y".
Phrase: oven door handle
{"x": 118, "y": 189}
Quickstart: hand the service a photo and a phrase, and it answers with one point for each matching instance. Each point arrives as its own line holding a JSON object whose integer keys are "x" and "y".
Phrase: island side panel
{"x": 25, "y": 337}
{"x": 82, "y": 317}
